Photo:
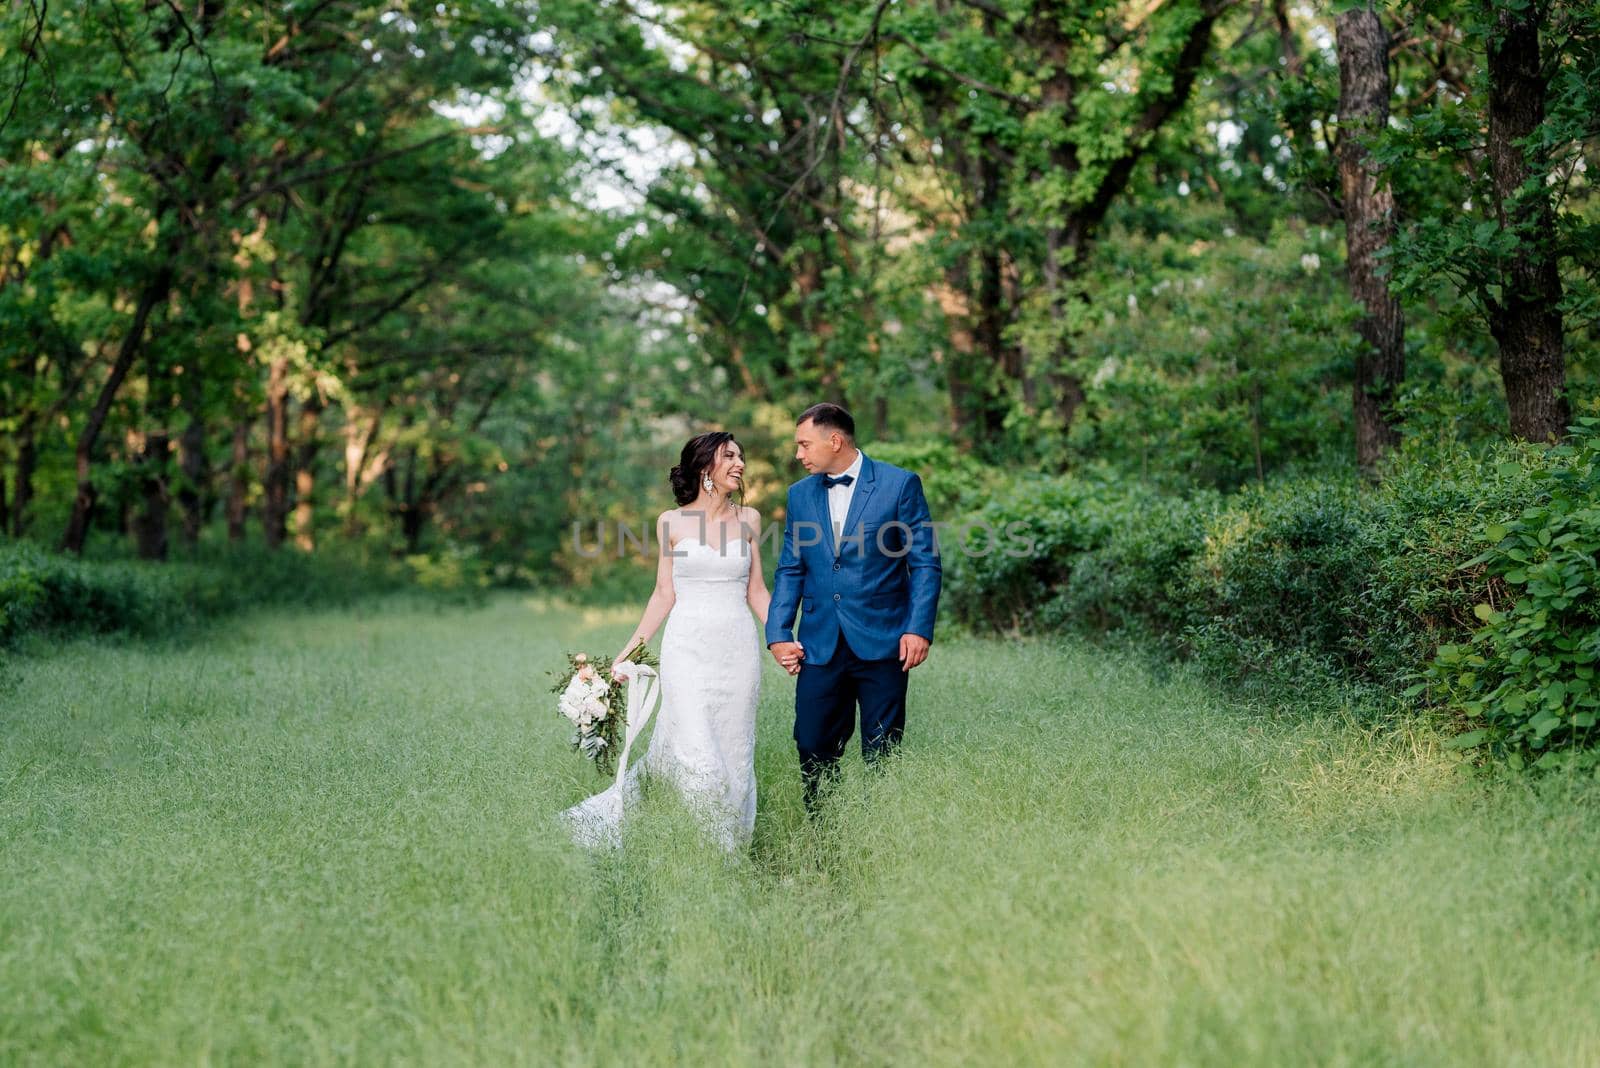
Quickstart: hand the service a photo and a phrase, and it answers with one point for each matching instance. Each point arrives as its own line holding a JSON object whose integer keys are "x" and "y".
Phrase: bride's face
{"x": 728, "y": 470}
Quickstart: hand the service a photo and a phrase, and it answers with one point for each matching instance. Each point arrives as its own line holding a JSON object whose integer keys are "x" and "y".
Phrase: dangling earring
{"x": 705, "y": 480}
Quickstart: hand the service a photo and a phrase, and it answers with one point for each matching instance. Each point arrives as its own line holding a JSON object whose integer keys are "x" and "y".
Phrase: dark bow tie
{"x": 828, "y": 481}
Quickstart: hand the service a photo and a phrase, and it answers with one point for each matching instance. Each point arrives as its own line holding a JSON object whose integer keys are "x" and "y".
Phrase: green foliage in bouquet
{"x": 598, "y": 711}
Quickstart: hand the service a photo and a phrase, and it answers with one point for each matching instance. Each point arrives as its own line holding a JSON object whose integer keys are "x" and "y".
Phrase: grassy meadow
{"x": 326, "y": 838}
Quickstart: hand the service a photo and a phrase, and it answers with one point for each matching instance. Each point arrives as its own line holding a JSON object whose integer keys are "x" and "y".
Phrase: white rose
{"x": 571, "y": 700}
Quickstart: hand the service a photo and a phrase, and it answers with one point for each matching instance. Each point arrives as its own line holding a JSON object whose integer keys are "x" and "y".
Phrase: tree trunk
{"x": 413, "y": 518}
{"x": 810, "y": 313}
{"x": 275, "y": 483}
{"x": 1004, "y": 358}
{"x": 14, "y": 512}
{"x": 192, "y": 456}
{"x": 961, "y": 365}
{"x": 981, "y": 368}
{"x": 149, "y": 523}
{"x": 77, "y": 530}
{"x": 1363, "y": 47}
{"x": 27, "y": 463}
{"x": 1526, "y": 320}
{"x": 238, "y": 480}
{"x": 16, "y": 519}
{"x": 1062, "y": 263}
{"x": 5, "y": 507}
{"x": 1003, "y": 362}
{"x": 358, "y": 443}
{"x": 305, "y": 479}
{"x": 1061, "y": 255}
{"x": 155, "y": 452}
{"x": 1071, "y": 233}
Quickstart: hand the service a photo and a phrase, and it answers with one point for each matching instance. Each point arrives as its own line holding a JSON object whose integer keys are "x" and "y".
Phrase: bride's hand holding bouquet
{"x": 593, "y": 699}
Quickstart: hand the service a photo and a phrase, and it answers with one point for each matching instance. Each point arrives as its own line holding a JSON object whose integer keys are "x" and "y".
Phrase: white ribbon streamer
{"x": 644, "y": 697}
{"x": 597, "y": 820}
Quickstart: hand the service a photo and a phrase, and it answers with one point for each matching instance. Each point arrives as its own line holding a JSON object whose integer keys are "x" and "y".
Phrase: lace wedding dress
{"x": 705, "y": 733}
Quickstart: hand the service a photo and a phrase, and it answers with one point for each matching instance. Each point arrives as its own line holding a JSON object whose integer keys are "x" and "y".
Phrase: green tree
{"x": 1513, "y": 232}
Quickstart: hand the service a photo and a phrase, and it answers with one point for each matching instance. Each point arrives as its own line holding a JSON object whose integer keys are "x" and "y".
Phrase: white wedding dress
{"x": 705, "y": 734}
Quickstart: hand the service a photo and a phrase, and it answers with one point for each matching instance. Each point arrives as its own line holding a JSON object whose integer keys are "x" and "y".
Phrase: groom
{"x": 861, "y": 562}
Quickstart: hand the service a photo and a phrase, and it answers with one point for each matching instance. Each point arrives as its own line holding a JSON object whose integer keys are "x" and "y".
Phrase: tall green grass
{"x": 327, "y": 838}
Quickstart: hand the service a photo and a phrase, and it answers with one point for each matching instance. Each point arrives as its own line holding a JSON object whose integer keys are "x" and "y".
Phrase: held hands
{"x": 913, "y": 651}
{"x": 788, "y": 655}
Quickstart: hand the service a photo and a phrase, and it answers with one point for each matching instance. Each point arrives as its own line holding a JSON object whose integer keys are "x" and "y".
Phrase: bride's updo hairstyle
{"x": 699, "y": 456}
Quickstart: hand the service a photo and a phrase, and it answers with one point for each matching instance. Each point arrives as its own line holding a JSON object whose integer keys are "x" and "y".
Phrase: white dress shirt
{"x": 839, "y": 499}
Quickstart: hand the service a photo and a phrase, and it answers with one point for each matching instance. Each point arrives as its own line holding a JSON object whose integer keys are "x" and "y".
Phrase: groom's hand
{"x": 913, "y": 651}
{"x": 789, "y": 655}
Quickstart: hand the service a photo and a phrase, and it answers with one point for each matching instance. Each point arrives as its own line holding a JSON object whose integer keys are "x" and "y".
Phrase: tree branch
{"x": 964, "y": 79}
{"x": 30, "y": 54}
{"x": 293, "y": 180}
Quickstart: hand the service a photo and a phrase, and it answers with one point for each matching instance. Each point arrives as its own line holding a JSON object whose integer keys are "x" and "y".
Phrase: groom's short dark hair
{"x": 826, "y": 415}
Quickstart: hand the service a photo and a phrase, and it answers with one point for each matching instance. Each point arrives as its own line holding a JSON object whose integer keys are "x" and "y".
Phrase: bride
{"x": 708, "y": 571}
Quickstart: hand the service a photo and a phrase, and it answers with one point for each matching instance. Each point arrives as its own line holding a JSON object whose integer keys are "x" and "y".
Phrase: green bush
{"x": 41, "y": 591}
{"x": 455, "y": 571}
{"x": 1279, "y": 566}
{"x": 1261, "y": 669}
{"x": 1139, "y": 579}
{"x": 1525, "y": 680}
{"x": 47, "y": 593}
{"x": 952, "y": 480}
{"x": 1315, "y": 581}
{"x": 1424, "y": 526}
{"x": 994, "y": 581}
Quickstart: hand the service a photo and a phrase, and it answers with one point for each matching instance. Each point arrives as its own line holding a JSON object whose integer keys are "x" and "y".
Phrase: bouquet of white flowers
{"x": 596, "y": 704}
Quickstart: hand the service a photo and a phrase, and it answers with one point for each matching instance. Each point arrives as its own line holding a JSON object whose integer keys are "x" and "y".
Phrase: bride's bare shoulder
{"x": 667, "y": 526}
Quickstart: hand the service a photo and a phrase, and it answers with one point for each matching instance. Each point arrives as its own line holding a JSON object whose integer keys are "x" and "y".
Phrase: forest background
{"x": 1273, "y": 322}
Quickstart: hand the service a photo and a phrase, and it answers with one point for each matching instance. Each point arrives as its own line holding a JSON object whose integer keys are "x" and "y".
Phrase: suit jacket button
{"x": 836, "y": 597}
{"x": 836, "y": 565}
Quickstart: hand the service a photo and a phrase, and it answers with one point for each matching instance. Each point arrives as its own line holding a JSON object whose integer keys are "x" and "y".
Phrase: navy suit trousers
{"x": 826, "y": 696}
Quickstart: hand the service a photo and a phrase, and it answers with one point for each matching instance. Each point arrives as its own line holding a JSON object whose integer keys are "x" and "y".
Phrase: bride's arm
{"x": 661, "y": 598}
{"x": 756, "y": 593}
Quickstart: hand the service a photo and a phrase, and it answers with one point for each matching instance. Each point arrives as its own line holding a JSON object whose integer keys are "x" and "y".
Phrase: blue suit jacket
{"x": 881, "y": 581}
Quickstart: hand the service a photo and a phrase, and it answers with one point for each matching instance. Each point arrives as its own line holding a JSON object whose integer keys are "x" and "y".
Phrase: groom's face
{"x": 816, "y": 448}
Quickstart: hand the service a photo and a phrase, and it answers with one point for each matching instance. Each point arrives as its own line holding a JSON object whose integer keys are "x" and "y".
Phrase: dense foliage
{"x": 1172, "y": 284}
{"x": 1319, "y": 579}
{"x": 45, "y": 594}
{"x": 1526, "y": 679}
